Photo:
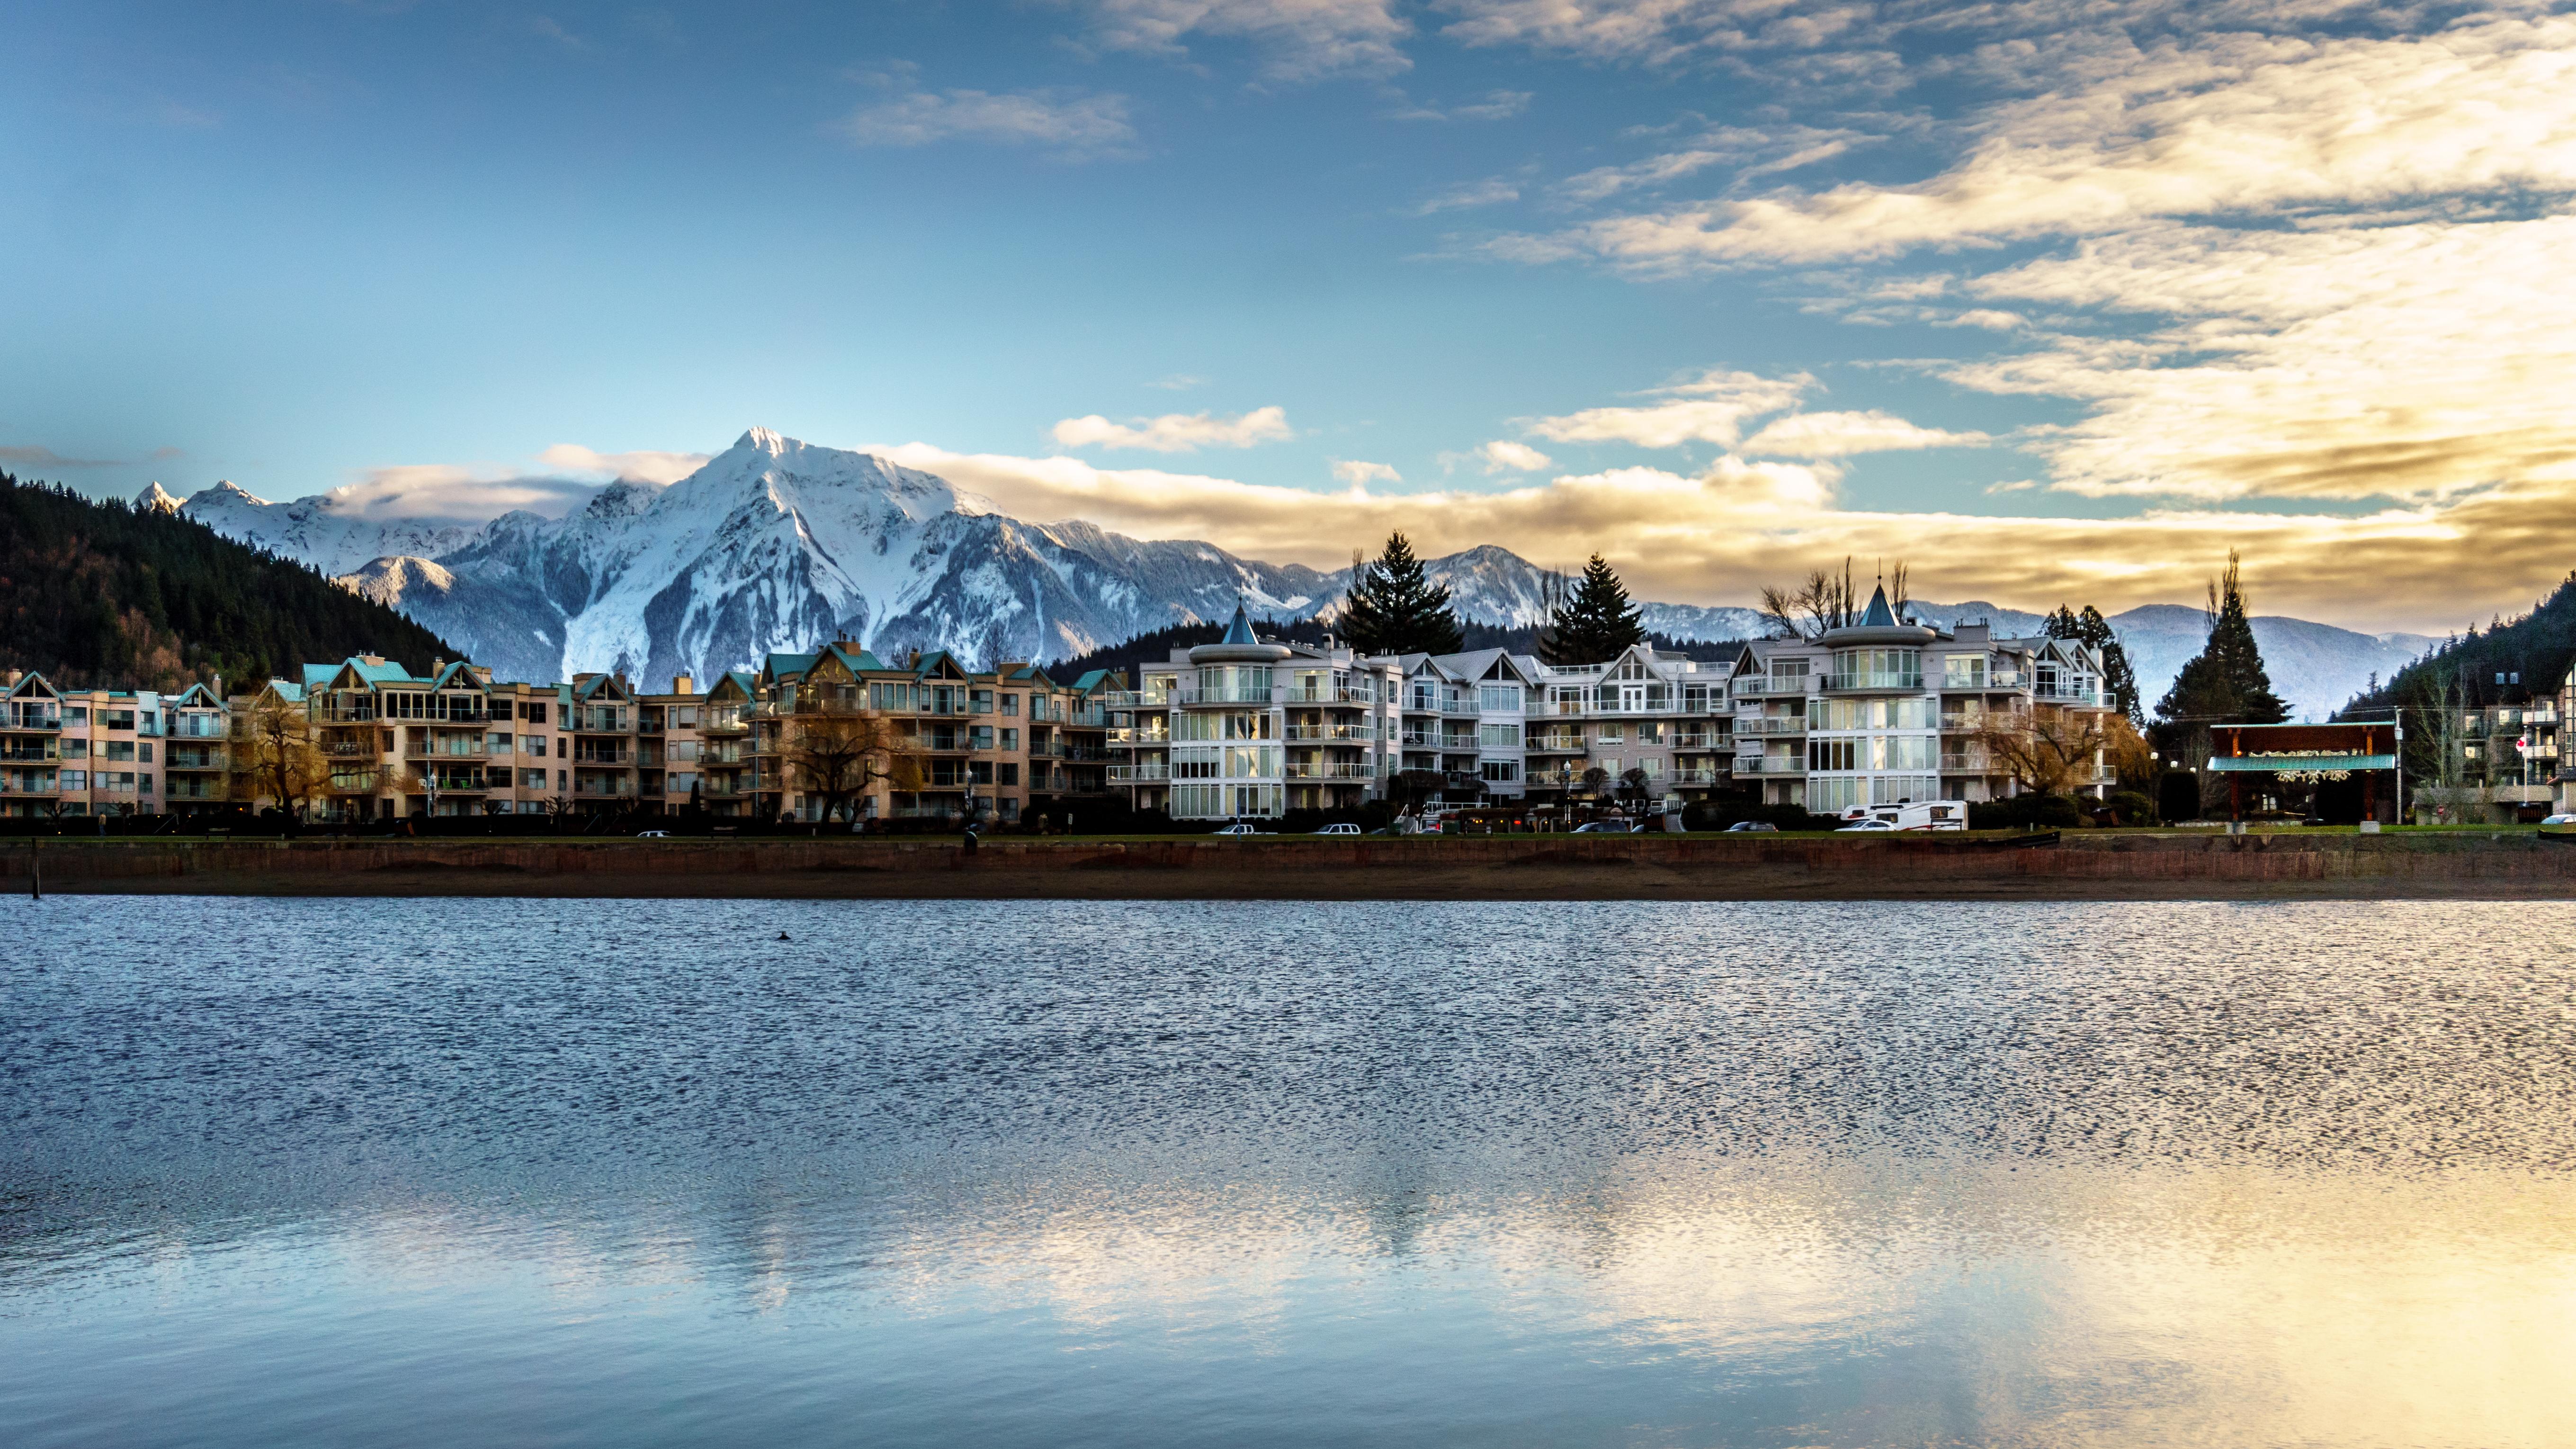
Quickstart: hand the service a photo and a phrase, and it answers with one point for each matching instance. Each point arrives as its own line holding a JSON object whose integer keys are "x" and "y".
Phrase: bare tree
{"x": 838, "y": 749}
{"x": 281, "y": 760}
{"x": 1823, "y": 600}
{"x": 2050, "y": 751}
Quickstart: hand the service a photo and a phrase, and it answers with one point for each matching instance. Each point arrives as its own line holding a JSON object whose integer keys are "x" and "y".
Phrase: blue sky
{"x": 2061, "y": 300}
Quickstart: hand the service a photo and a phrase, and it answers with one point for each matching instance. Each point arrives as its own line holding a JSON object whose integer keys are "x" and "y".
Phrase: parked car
{"x": 1870, "y": 825}
{"x": 1744, "y": 825}
{"x": 1242, "y": 830}
{"x": 652, "y": 835}
{"x": 1603, "y": 827}
{"x": 1342, "y": 829}
{"x": 2559, "y": 820}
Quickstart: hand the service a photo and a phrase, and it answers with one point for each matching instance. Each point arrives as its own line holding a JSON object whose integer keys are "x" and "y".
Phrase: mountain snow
{"x": 776, "y": 545}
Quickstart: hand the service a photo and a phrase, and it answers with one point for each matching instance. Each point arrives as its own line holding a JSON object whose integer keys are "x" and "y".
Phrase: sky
{"x": 2056, "y": 300}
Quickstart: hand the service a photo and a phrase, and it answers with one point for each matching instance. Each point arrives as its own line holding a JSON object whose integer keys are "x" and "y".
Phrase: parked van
{"x": 1914, "y": 815}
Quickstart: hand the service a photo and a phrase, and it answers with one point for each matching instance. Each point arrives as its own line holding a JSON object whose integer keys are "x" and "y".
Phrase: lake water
{"x": 640, "y": 1173}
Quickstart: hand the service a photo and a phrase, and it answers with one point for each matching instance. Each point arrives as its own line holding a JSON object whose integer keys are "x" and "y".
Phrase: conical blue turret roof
{"x": 1879, "y": 616}
{"x": 1240, "y": 631}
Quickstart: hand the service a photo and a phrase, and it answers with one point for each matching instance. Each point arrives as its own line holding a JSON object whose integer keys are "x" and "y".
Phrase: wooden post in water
{"x": 35, "y": 868}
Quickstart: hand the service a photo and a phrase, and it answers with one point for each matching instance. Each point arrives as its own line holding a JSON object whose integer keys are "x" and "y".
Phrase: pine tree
{"x": 1394, "y": 608}
{"x": 2224, "y": 684}
{"x": 1595, "y": 623}
{"x": 2118, "y": 678}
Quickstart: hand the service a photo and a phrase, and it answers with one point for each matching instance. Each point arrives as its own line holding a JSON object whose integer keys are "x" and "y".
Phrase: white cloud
{"x": 1496, "y": 106}
{"x": 454, "y": 493}
{"x": 1302, "y": 39}
{"x": 1839, "y": 435}
{"x": 2250, "y": 124}
{"x": 1503, "y": 455}
{"x": 1472, "y": 193}
{"x": 1177, "y": 382}
{"x": 1176, "y": 432}
{"x": 1360, "y": 475}
{"x": 641, "y": 467}
{"x": 1067, "y": 121}
{"x": 1712, "y": 409}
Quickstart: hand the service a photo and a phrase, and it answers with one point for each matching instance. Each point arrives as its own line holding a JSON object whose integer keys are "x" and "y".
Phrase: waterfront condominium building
{"x": 31, "y": 745}
{"x": 1249, "y": 727}
{"x": 1004, "y": 743}
{"x": 1886, "y": 710}
{"x": 1646, "y": 725}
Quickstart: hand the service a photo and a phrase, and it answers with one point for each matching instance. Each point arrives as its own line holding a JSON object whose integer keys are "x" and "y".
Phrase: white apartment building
{"x": 1244, "y": 727}
{"x": 1887, "y": 710}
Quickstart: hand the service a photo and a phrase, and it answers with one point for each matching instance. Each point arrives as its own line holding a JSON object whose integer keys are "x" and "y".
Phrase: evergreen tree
{"x": 2224, "y": 684}
{"x": 2118, "y": 678}
{"x": 1596, "y": 622}
{"x": 1394, "y": 608}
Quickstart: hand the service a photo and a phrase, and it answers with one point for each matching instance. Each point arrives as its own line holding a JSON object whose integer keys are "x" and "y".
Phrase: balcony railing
{"x": 197, "y": 727}
{"x": 1302, "y": 694}
{"x": 1227, "y": 694}
{"x": 1696, "y": 775}
{"x": 1769, "y": 724}
{"x": 1966, "y": 765}
{"x": 2066, "y": 693}
{"x": 446, "y": 751}
{"x": 1764, "y": 687}
{"x": 29, "y": 751}
{"x": 20, "y": 785}
{"x": 1331, "y": 732}
{"x": 1867, "y": 679}
{"x": 1555, "y": 744}
{"x": 1331, "y": 772}
{"x": 1134, "y": 774}
{"x": 1770, "y": 765}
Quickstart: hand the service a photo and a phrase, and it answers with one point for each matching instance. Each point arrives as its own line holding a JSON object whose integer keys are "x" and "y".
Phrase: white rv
{"x": 1914, "y": 815}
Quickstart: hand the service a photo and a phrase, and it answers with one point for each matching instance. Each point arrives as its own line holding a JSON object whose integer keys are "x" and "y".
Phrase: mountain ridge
{"x": 776, "y": 543}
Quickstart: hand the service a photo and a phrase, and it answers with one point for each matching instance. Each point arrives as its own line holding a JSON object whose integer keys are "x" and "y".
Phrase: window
{"x": 562, "y": 748}
{"x": 1654, "y": 766}
{"x": 75, "y": 779}
{"x": 1197, "y": 764}
{"x": 1613, "y": 734}
{"x": 1010, "y": 738}
{"x": 979, "y": 737}
{"x": 1833, "y": 754}
{"x": 1010, "y": 809}
{"x": 116, "y": 719}
{"x": 117, "y": 749}
{"x": 1499, "y": 698}
{"x": 497, "y": 777}
{"x": 1609, "y": 765}
{"x": 1010, "y": 772}
{"x": 1650, "y": 732}
{"x": 497, "y": 744}
{"x": 75, "y": 749}
{"x": 1251, "y": 761}
{"x": 979, "y": 772}
{"x": 979, "y": 701}
{"x": 1501, "y": 772}
{"x": 74, "y": 714}
{"x": 1499, "y": 736}
{"x": 563, "y": 778}
{"x": 1788, "y": 673}
{"x": 532, "y": 711}
{"x": 1011, "y": 704}
{"x": 1963, "y": 671}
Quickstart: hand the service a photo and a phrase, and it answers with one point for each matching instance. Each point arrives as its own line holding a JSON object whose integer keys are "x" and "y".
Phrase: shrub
{"x": 2023, "y": 812}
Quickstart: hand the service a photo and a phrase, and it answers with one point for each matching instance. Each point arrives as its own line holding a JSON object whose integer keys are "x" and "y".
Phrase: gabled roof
{"x": 32, "y": 685}
{"x": 448, "y": 678}
{"x": 285, "y": 689}
{"x": 1091, "y": 679}
{"x": 195, "y": 696}
{"x": 857, "y": 663}
{"x": 783, "y": 665}
{"x": 599, "y": 684}
{"x": 939, "y": 661}
{"x": 1031, "y": 674}
{"x": 1481, "y": 664}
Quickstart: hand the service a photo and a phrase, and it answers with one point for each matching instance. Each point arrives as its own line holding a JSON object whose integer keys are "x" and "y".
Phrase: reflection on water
{"x": 635, "y": 1173}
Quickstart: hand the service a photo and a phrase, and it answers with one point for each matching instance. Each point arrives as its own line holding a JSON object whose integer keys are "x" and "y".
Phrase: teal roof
{"x": 1240, "y": 631}
{"x": 863, "y": 659}
{"x": 2262, "y": 764}
{"x": 28, "y": 681}
{"x": 779, "y": 666}
{"x": 288, "y": 690}
{"x": 1879, "y": 616}
{"x": 453, "y": 670}
{"x": 1090, "y": 680}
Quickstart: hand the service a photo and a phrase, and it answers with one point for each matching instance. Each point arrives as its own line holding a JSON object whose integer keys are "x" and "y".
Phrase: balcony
{"x": 1298, "y": 694}
{"x": 1138, "y": 774}
{"x": 1865, "y": 681}
{"x": 723, "y": 724}
{"x": 28, "y": 717}
{"x": 446, "y": 751}
{"x": 1769, "y": 724}
{"x": 1331, "y": 772}
{"x": 1966, "y": 765}
{"x": 1766, "y": 688}
{"x": 29, "y": 751}
{"x": 197, "y": 727}
{"x": 1421, "y": 704}
{"x": 1227, "y": 694}
{"x": 1358, "y": 732}
{"x": 1703, "y": 740}
{"x": 2066, "y": 693}
{"x": 1555, "y": 744}
{"x": 26, "y": 783}
{"x": 1770, "y": 765}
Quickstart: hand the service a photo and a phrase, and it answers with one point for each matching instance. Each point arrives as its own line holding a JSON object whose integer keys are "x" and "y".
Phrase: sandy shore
{"x": 2107, "y": 866}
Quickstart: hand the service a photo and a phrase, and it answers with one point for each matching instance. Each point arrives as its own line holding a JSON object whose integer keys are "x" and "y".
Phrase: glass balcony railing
{"x": 1876, "y": 679}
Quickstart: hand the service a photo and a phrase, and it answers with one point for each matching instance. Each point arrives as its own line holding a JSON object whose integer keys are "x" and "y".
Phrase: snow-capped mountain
{"x": 777, "y": 544}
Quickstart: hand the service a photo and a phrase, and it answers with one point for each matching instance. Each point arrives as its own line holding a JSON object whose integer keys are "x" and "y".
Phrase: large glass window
{"x": 1499, "y": 736}
{"x": 1499, "y": 698}
{"x": 1963, "y": 671}
{"x": 1877, "y": 669}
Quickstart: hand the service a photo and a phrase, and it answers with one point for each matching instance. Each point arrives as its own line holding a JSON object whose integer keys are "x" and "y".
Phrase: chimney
{"x": 436, "y": 666}
{"x": 683, "y": 684}
{"x": 11, "y": 678}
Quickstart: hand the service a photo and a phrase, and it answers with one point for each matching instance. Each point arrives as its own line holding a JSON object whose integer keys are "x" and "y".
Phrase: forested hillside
{"x": 104, "y": 594}
{"x": 2532, "y": 652}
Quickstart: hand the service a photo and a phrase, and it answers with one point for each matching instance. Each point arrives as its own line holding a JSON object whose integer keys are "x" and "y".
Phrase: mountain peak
{"x": 155, "y": 499}
{"x": 762, "y": 440}
{"x": 226, "y": 490}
